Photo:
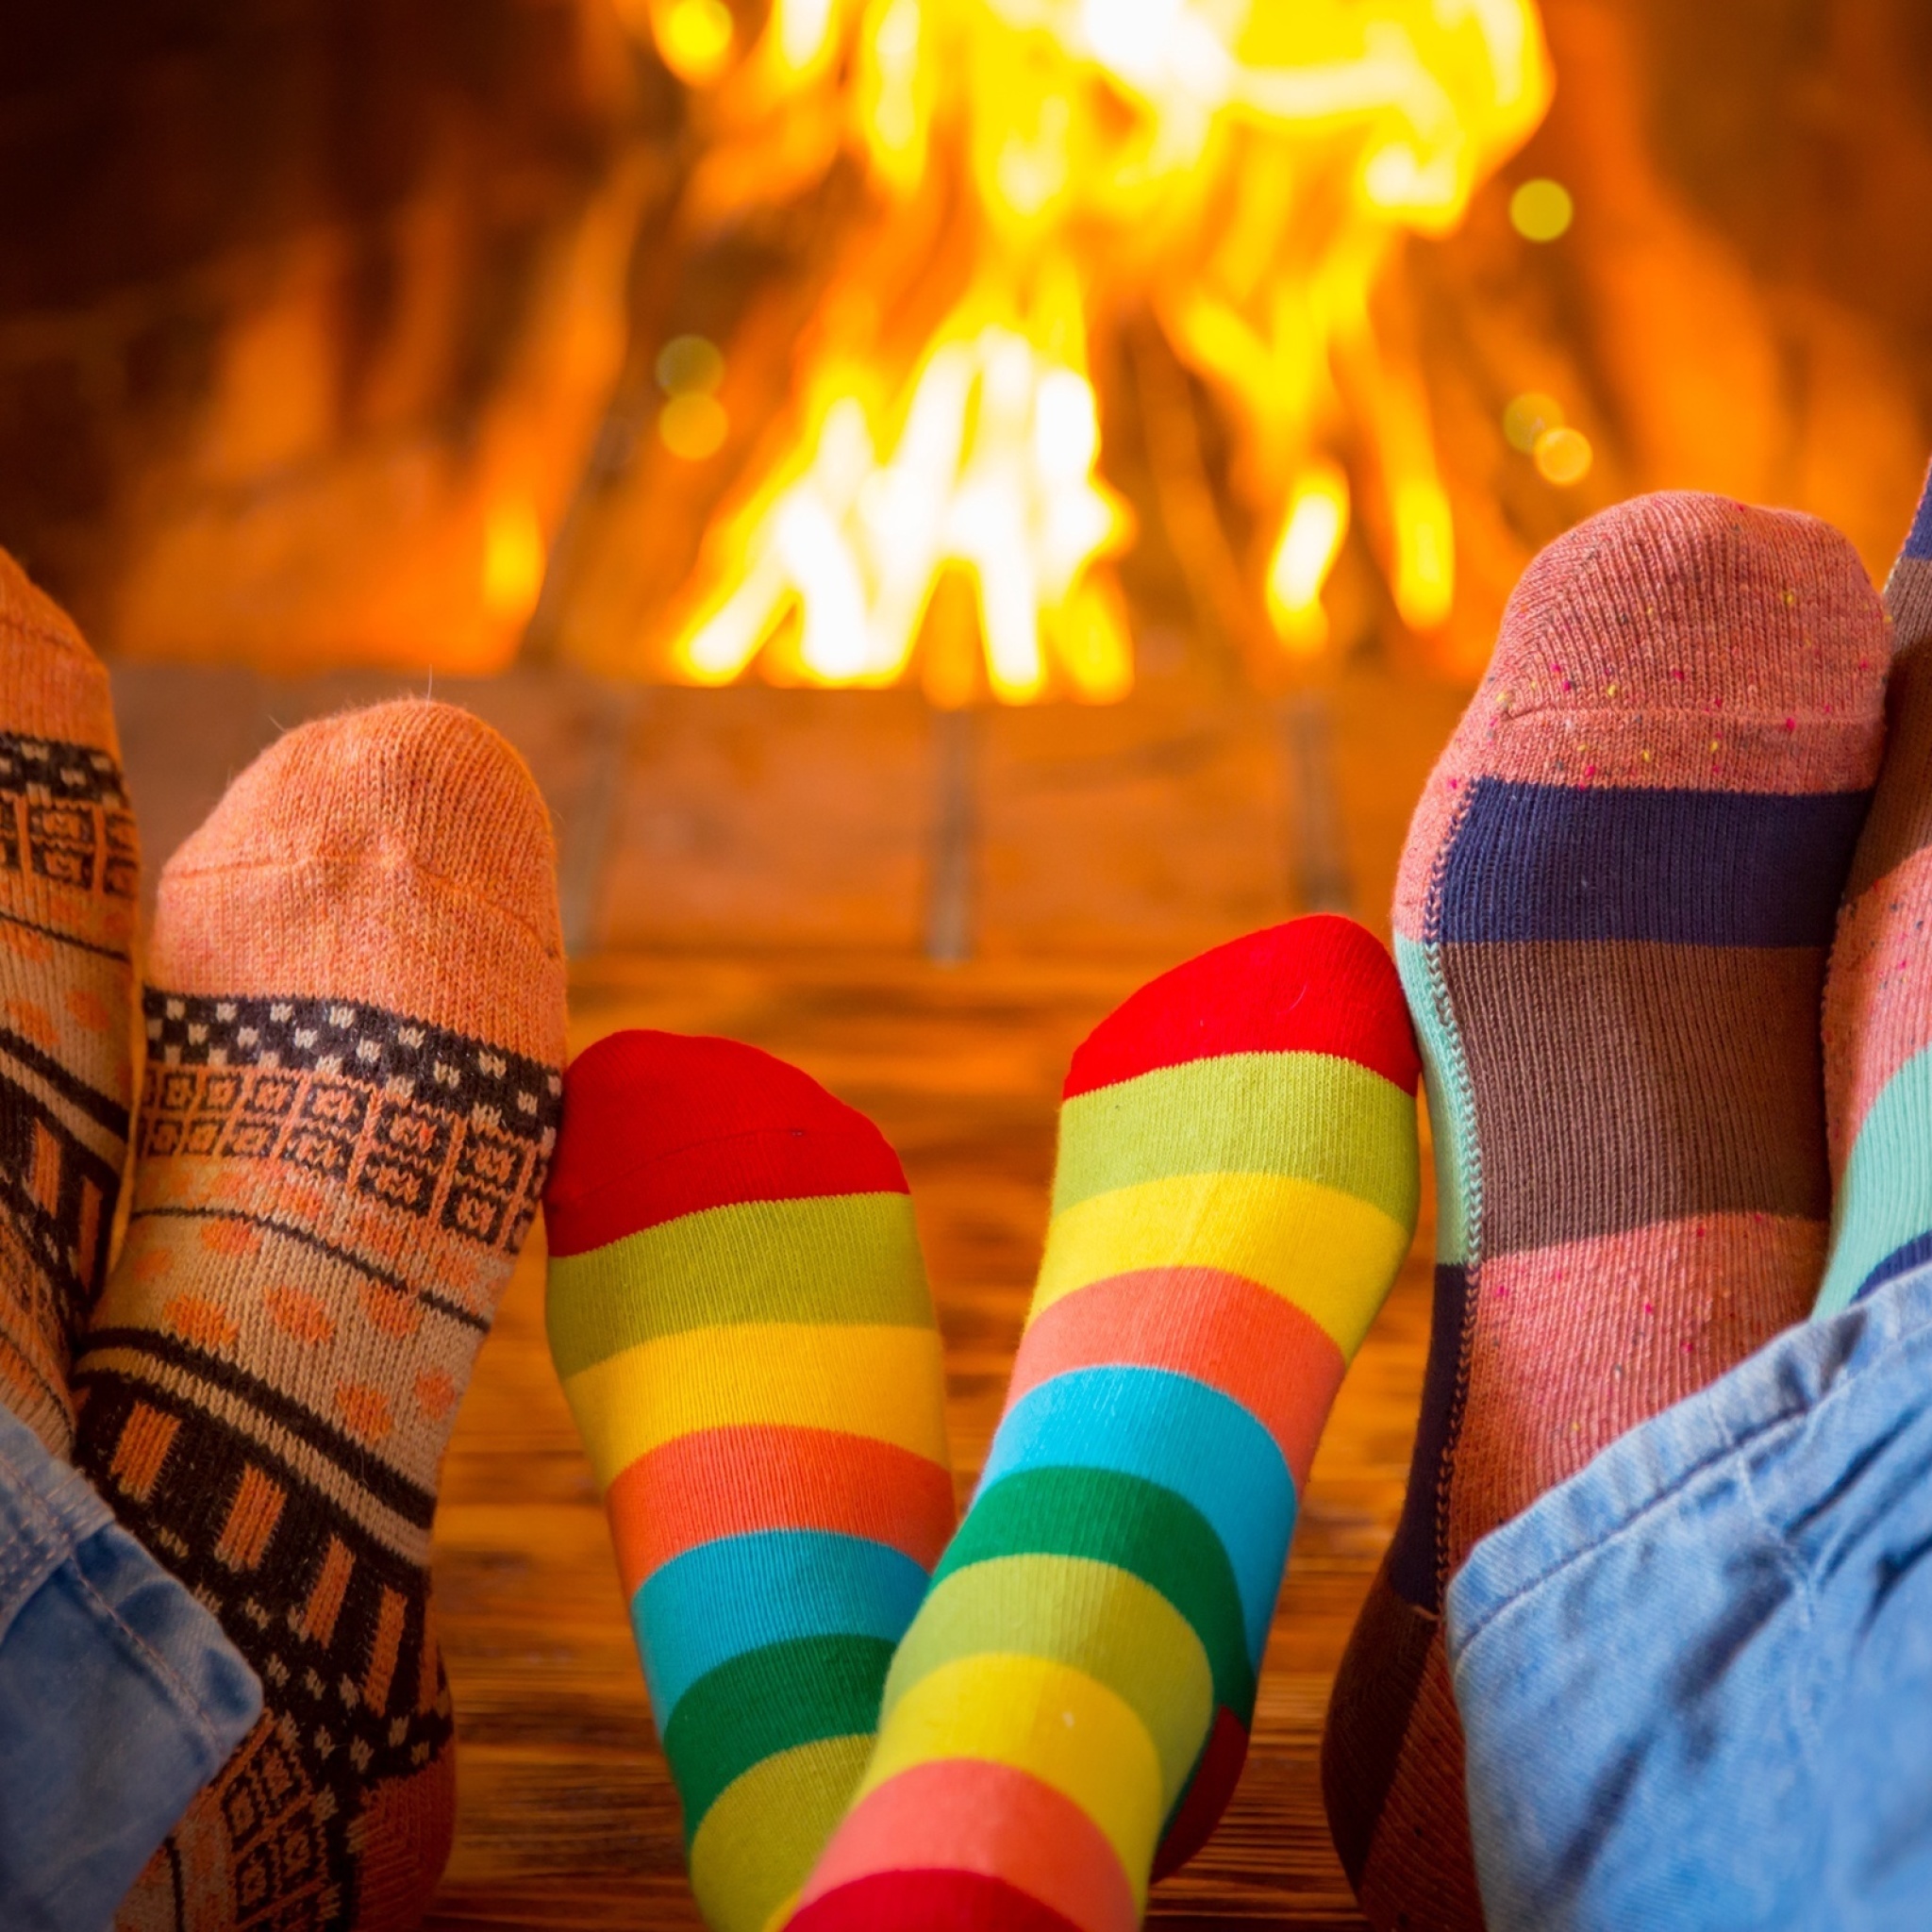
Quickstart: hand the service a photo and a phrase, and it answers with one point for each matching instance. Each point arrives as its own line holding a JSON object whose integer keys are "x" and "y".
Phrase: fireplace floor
{"x": 566, "y": 1817}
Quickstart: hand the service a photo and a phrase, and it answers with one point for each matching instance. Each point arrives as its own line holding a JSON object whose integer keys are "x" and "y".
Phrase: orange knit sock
{"x": 355, "y": 1030}
{"x": 67, "y": 898}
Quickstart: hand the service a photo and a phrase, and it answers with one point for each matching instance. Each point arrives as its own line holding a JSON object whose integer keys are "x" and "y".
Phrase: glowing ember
{"x": 1243, "y": 169}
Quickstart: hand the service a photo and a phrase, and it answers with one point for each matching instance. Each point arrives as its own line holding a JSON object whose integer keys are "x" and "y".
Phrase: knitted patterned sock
{"x": 355, "y": 1023}
{"x": 1610, "y": 921}
{"x": 740, "y": 1316}
{"x": 67, "y": 896}
{"x": 1236, "y": 1188}
{"x": 1878, "y": 995}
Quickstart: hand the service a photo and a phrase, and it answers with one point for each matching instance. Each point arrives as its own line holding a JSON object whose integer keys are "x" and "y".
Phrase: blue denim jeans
{"x": 1696, "y": 1679}
{"x": 119, "y": 1697}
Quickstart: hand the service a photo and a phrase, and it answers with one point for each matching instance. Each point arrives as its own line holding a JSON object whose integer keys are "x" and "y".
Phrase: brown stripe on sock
{"x": 1368, "y": 1717}
{"x": 1424, "y": 1826}
{"x": 235, "y": 1413}
{"x": 1623, "y": 1083}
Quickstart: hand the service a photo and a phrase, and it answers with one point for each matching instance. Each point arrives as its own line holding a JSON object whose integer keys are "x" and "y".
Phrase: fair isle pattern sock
{"x": 738, "y": 1313}
{"x": 1611, "y": 922}
{"x": 354, "y": 1033}
{"x": 1236, "y": 1186}
{"x": 68, "y": 888}
{"x": 1878, "y": 994}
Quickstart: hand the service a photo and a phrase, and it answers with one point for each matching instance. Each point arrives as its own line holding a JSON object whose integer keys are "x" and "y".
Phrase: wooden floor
{"x": 567, "y": 1814}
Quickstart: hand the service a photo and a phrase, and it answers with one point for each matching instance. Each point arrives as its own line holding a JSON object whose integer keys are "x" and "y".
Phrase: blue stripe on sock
{"x": 742, "y": 1592}
{"x": 1919, "y": 544}
{"x": 1177, "y": 1432}
{"x": 1915, "y": 1254}
{"x": 1687, "y": 868}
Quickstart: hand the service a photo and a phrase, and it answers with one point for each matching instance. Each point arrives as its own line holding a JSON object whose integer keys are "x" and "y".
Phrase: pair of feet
{"x": 873, "y": 1721}
{"x": 1612, "y": 925}
{"x": 353, "y": 1040}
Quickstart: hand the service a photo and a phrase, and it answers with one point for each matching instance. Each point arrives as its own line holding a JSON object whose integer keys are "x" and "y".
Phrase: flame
{"x": 1041, "y": 171}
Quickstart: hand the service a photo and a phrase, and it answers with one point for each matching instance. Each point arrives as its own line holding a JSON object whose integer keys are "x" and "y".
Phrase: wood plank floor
{"x": 567, "y": 1815}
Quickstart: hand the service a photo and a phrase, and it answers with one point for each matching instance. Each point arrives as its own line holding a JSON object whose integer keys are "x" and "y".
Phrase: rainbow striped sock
{"x": 1236, "y": 1186}
{"x": 740, "y": 1316}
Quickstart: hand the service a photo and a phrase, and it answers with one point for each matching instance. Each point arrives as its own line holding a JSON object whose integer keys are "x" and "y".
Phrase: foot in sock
{"x": 1236, "y": 1186}
{"x": 740, "y": 1317}
{"x": 68, "y": 887}
{"x": 355, "y": 1031}
{"x": 1878, "y": 994}
{"x": 1611, "y": 922}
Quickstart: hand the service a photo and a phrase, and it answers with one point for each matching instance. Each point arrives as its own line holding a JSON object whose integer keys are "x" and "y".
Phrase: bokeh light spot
{"x": 1565, "y": 455}
{"x": 1527, "y": 417}
{"x": 694, "y": 427}
{"x": 689, "y": 366}
{"x": 1540, "y": 211}
{"x": 694, "y": 38}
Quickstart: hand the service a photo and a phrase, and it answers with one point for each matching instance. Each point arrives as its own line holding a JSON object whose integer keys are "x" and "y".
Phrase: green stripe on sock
{"x": 1312, "y": 1115}
{"x": 846, "y": 1259}
{"x": 768, "y": 1700}
{"x": 1884, "y": 1199}
{"x": 1097, "y": 1618}
{"x": 1451, "y": 1099}
{"x": 1137, "y": 1526}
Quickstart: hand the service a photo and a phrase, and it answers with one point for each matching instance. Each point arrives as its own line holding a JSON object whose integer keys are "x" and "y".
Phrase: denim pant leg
{"x": 119, "y": 1697}
{"x": 1696, "y": 1679}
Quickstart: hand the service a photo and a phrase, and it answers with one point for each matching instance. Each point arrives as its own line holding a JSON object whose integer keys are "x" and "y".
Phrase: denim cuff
{"x": 120, "y": 1696}
{"x": 47, "y": 1509}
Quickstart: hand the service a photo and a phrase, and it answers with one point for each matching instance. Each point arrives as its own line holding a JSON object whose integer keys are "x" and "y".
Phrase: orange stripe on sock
{"x": 734, "y": 1481}
{"x": 964, "y": 1814}
{"x": 146, "y": 1437}
{"x": 325, "y": 1597}
{"x": 251, "y": 1520}
{"x": 43, "y": 1180}
{"x": 385, "y": 1650}
{"x": 1222, "y": 1329}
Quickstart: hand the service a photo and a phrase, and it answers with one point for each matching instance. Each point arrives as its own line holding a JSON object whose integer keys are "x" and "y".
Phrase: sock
{"x": 354, "y": 1027}
{"x": 1235, "y": 1190}
{"x": 738, "y": 1313}
{"x": 68, "y": 888}
{"x": 1611, "y": 920}
{"x": 1878, "y": 995}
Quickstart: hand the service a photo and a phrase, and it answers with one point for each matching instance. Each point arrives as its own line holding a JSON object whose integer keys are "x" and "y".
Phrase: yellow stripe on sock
{"x": 765, "y": 1830}
{"x": 1090, "y": 1616}
{"x": 1328, "y": 1252}
{"x": 1044, "y": 1718}
{"x": 882, "y": 1383}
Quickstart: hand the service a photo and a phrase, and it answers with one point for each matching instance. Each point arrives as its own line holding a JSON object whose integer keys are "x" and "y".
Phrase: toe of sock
{"x": 658, "y": 1125}
{"x": 1685, "y": 601}
{"x": 399, "y": 857}
{"x": 1322, "y": 983}
{"x": 414, "y": 780}
{"x": 51, "y": 685}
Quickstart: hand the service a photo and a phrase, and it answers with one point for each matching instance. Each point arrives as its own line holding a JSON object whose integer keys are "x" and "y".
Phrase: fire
{"x": 1244, "y": 171}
